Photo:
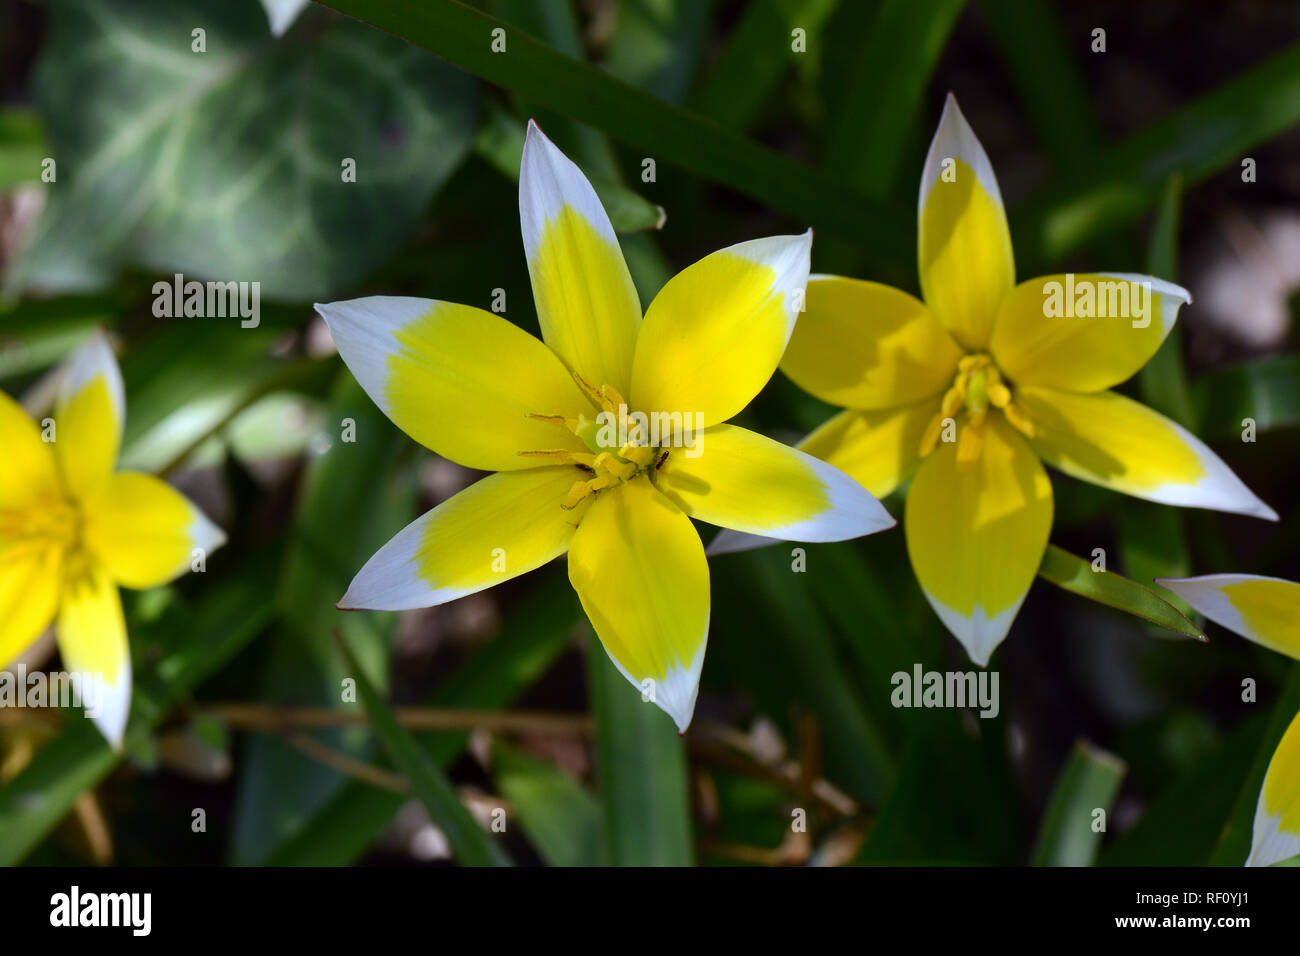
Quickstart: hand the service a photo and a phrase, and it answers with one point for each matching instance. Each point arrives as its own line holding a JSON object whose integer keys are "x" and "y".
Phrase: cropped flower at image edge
{"x": 1266, "y": 611}
{"x": 478, "y": 390}
{"x": 72, "y": 529}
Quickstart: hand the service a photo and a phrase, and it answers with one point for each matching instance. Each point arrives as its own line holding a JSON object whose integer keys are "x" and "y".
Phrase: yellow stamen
{"x": 582, "y": 490}
{"x": 1019, "y": 420}
{"x": 930, "y": 439}
{"x": 640, "y": 455}
{"x": 552, "y": 419}
{"x": 591, "y": 391}
{"x": 622, "y": 470}
{"x": 561, "y": 456}
{"x": 611, "y": 398}
{"x": 970, "y": 441}
{"x": 976, "y": 387}
{"x": 608, "y": 468}
{"x": 953, "y": 399}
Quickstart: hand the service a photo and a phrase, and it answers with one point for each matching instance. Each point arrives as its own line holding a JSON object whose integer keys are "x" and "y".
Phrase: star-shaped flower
{"x": 545, "y": 416}
{"x": 971, "y": 390}
{"x": 72, "y": 529}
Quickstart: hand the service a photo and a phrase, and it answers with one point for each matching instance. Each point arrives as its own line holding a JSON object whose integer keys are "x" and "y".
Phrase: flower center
{"x": 50, "y": 523}
{"x": 978, "y": 386}
{"x": 610, "y": 460}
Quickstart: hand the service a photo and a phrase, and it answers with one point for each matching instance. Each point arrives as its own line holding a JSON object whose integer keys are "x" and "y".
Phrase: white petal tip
{"x": 951, "y": 111}
{"x": 206, "y": 535}
{"x": 110, "y": 710}
{"x": 978, "y": 633}
{"x": 1271, "y": 845}
{"x": 676, "y": 696}
{"x": 727, "y": 541}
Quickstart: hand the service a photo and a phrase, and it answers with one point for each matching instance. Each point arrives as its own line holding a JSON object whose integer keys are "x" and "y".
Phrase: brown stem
{"x": 274, "y": 717}
{"x": 360, "y": 770}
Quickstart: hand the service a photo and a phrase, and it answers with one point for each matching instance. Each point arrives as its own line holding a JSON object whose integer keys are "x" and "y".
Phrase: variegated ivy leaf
{"x": 186, "y": 139}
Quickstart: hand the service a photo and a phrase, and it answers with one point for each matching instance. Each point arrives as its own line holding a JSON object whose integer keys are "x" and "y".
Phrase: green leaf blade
{"x": 1076, "y": 575}
{"x": 472, "y": 845}
{"x": 562, "y": 819}
{"x": 643, "y": 778}
{"x": 1088, "y": 783}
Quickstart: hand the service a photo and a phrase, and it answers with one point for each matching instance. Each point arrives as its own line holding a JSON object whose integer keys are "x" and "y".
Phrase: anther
{"x": 622, "y": 470}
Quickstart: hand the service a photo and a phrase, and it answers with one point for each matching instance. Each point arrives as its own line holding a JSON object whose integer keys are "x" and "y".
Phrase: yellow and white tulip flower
{"x": 1266, "y": 611}
{"x": 73, "y": 529}
{"x": 478, "y": 390}
{"x": 968, "y": 392}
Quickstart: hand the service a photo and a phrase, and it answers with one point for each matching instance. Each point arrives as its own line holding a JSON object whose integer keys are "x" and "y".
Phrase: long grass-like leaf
{"x": 1069, "y": 835}
{"x": 472, "y": 845}
{"x": 1076, "y": 575}
{"x": 464, "y": 37}
{"x": 642, "y": 765}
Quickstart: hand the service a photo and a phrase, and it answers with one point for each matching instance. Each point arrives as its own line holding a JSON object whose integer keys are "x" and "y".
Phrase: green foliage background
{"x": 226, "y": 165}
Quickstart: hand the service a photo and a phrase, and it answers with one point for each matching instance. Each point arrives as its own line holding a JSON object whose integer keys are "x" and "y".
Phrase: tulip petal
{"x": 496, "y": 529}
{"x": 638, "y": 567}
{"x": 714, "y": 334}
{"x": 92, "y": 641}
{"x": 29, "y": 596}
{"x": 146, "y": 532}
{"x": 1035, "y": 343}
{"x": 458, "y": 380}
{"x": 586, "y": 303}
{"x": 1266, "y": 611}
{"x": 30, "y": 474}
{"x": 88, "y": 418}
{"x": 867, "y": 345}
{"x": 877, "y": 449}
{"x": 964, "y": 245}
{"x": 1277, "y": 814}
{"x": 1260, "y": 609}
{"x": 976, "y": 535}
{"x": 1118, "y": 443}
{"x": 750, "y": 483}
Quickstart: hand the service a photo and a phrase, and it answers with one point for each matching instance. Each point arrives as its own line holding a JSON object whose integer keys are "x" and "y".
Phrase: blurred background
{"x": 226, "y": 164}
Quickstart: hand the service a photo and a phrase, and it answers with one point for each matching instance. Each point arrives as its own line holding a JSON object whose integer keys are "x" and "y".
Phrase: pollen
{"x": 964, "y": 409}
{"x": 608, "y": 462}
{"x": 44, "y": 525}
